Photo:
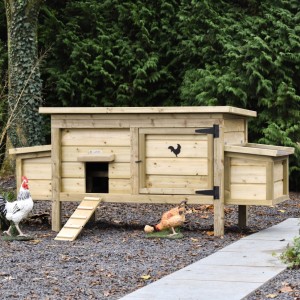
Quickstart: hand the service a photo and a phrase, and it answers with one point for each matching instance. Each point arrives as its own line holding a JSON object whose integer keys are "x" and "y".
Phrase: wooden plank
{"x": 40, "y": 187}
{"x": 180, "y": 181}
{"x": 96, "y": 158}
{"x": 248, "y": 191}
{"x": 219, "y": 222}
{"x": 248, "y": 174}
{"x": 288, "y": 150}
{"x": 234, "y": 125}
{"x": 37, "y": 171}
{"x": 234, "y": 138}
{"x": 72, "y": 170}
{"x": 151, "y": 109}
{"x": 70, "y": 153}
{"x": 177, "y": 131}
{"x": 177, "y": 166}
{"x": 169, "y": 191}
{"x": 30, "y": 150}
{"x": 56, "y": 178}
{"x": 119, "y": 186}
{"x": 278, "y": 189}
{"x": 73, "y": 185}
{"x": 134, "y": 160}
{"x": 247, "y": 161}
{"x": 278, "y": 171}
{"x": 19, "y": 172}
{"x": 78, "y": 219}
{"x": 270, "y": 181}
{"x": 146, "y": 198}
{"x": 286, "y": 176}
{"x": 189, "y": 147}
{"x": 140, "y": 123}
{"x": 119, "y": 170}
{"x": 257, "y": 149}
{"x": 95, "y": 137}
{"x": 250, "y": 202}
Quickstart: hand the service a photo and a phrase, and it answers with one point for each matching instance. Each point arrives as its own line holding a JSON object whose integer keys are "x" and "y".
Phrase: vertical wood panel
{"x": 56, "y": 175}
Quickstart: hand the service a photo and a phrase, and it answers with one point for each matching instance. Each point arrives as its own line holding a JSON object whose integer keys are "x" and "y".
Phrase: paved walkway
{"x": 231, "y": 273}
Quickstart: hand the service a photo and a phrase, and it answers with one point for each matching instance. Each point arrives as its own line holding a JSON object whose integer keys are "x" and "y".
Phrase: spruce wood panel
{"x": 119, "y": 170}
{"x": 73, "y": 185}
{"x": 37, "y": 171}
{"x": 176, "y": 166}
{"x": 133, "y": 117}
{"x": 234, "y": 138}
{"x": 73, "y": 170}
{"x": 146, "y": 110}
{"x": 95, "y": 137}
{"x": 40, "y": 187}
{"x": 248, "y": 174}
{"x": 179, "y": 181}
{"x": 278, "y": 170}
{"x": 119, "y": 186}
{"x": 56, "y": 178}
{"x": 134, "y": 163}
{"x": 117, "y": 124}
{"x": 168, "y": 191}
{"x": 234, "y": 125}
{"x": 248, "y": 191}
{"x": 71, "y": 153}
{"x": 31, "y": 150}
{"x": 142, "y": 198}
{"x": 190, "y": 147}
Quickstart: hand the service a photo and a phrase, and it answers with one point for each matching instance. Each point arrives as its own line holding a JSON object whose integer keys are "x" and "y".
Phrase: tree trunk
{"x": 24, "y": 82}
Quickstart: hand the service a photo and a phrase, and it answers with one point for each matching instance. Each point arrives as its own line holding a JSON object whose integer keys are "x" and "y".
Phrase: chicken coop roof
{"x": 147, "y": 110}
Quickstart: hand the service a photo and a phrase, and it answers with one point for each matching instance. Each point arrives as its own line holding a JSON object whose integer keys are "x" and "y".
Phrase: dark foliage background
{"x": 157, "y": 53}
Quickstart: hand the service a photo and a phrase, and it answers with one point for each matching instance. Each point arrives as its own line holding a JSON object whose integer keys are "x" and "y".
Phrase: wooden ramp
{"x": 78, "y": 219}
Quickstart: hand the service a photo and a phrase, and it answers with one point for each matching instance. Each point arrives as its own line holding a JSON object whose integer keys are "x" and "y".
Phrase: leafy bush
{"x": 291, "y": 256}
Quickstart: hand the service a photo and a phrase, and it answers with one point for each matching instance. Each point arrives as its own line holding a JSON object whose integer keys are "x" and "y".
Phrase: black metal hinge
{"x": 210, "y": 130}
{"x": 214, "y": 192}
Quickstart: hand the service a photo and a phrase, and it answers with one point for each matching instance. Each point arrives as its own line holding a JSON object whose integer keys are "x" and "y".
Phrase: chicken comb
{"x": 24, "y": 178}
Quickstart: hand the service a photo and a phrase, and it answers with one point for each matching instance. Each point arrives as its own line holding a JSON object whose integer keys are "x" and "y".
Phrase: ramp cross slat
{"x": 76, "y": 222}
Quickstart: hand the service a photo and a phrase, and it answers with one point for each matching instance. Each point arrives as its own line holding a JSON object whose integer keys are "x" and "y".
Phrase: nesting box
{"x": 154, "y": 155}
{"x": 256, "y": 174}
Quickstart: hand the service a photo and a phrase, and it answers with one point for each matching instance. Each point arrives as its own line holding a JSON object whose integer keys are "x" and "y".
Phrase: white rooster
{"x": 17, "y": 210}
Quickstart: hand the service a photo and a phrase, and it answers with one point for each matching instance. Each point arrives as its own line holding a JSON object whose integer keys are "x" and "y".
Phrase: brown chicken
{"x": 173, "y": 218}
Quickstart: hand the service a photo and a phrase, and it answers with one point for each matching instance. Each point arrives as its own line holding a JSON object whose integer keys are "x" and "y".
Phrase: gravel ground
{"x": 112, "y": 256}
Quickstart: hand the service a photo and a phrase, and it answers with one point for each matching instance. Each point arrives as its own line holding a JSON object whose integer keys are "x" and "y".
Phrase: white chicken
{"x": 19, "y": 209}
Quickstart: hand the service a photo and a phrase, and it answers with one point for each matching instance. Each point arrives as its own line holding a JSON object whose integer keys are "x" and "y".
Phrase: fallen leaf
{"x": 286, "y": 289}
{"x": 272, "y": 296}
{"x": 281, "y": 210}
{"x": 210, "y": 233}
{"x": 203, "y": 217}
{"x": 34, "y": 242}
{"x": 194, "y": 240}
{"x": 146, "y": 277}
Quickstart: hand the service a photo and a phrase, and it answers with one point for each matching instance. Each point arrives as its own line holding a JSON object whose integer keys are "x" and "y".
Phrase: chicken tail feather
{"x": 3, "y": 202}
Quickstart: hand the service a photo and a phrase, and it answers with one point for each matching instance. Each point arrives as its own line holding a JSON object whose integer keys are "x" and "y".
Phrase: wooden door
{"x": 175, "y": 161}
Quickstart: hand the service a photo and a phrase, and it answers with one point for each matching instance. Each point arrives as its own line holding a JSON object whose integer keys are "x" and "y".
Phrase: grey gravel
{"x": 111, "y": 256}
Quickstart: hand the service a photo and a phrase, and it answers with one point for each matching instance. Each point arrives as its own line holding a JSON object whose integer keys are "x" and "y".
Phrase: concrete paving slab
{"x": 229, "y": 274}
{"x": 232, "y": 273}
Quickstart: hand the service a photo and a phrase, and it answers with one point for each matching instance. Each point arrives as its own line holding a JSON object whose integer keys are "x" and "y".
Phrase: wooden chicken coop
{"x": 154, "y": 155}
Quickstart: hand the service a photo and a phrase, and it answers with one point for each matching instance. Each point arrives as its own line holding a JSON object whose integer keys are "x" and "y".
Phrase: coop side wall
{"x": 36, "y": 166}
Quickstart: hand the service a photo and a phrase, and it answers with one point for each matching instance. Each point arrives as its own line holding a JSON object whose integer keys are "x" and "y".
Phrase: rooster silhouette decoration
{"x": 175, "y": 151}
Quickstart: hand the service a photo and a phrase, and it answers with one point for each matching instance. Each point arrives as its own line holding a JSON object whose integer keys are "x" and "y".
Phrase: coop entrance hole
{"x": 96, "y": 177}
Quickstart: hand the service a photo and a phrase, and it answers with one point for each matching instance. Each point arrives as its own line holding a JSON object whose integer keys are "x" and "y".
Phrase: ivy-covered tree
{"x": 24, "y": 82}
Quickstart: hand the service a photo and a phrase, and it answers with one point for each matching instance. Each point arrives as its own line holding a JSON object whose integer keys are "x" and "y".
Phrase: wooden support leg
{"x": 56, "y": 215}
{"x": 219, "y": 221}
{"x": 243, "y": 216}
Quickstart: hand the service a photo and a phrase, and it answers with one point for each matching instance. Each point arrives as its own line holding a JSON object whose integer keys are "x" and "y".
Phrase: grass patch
{"x": 165, "y": 234}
